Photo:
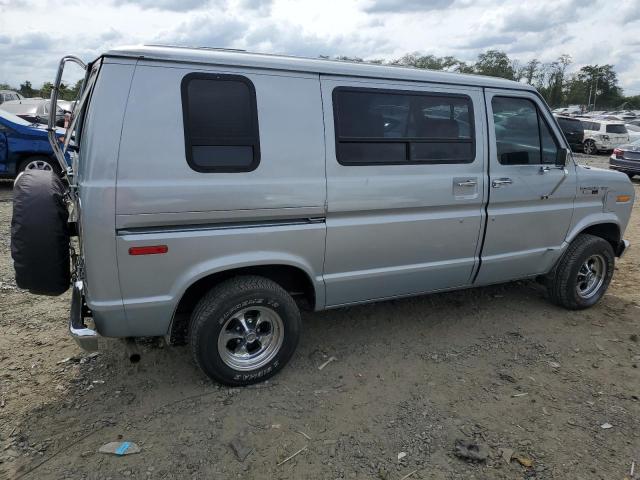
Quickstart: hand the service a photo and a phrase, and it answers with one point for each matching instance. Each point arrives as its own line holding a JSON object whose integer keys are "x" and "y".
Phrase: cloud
{"x": 172, "y": 5}
{"x": 267, "y": 36}
{"x": 206, "y": 30}
{"x": 490, "y": 41}
{"x": 542, "y": 16}
{"x": 399, "y": 6}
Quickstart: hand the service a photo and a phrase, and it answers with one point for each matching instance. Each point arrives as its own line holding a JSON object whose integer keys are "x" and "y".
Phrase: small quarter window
{"x": 220, "y": 123}
{"x": 395, "y": 127}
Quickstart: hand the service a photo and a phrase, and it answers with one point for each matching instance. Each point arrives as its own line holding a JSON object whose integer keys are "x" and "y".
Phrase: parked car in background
{"x": 634, "y": 122}
{"x": 24, "y": 146}
{"x": 573, "y": 131}
{"x": 634, "y": 132}
{"x": 603, "y": 135}
{"x": 9, "y": 95}
{"x": 626, "y": 158}
{"x": 34, "y": 110}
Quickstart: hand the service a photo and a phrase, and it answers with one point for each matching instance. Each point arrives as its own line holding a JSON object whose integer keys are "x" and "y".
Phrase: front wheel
{"x": 244, "y": 330}
{"x": 589, "y": 147}
{"x": 583, "y": 274}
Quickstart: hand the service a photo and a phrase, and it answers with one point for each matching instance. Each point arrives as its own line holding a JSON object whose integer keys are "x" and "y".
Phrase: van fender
{"x": 250, "y": 259}
{"x": 590, "y": 220}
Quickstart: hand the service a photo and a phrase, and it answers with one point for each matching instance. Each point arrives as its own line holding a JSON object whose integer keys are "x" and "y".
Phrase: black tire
{"x": 217, "y": 310}
{"x": 589, "y": 147}
{"x": 630, "y": 175}
{"x": 563, "y": 285}
{"x": 40, "y": 233}
{"x": 37, "y": 162}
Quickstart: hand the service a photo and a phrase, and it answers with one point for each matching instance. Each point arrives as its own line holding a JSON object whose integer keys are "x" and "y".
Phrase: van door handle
{"x": 497, "y": 183}
{"x": 467, "y": 183}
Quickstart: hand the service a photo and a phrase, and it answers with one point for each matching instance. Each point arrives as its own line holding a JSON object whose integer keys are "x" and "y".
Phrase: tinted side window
{"x": 569, "y": 125}
{"x": 220, "y": 123}
{"x": 398, "y": 127}
{"x": 522, "y": 135}
{"x": 616, "y": 129}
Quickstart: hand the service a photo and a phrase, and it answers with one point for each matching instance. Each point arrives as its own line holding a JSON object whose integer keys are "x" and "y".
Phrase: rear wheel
{"x": 583, "y": 274}
{"x": 244, "y": 330}
{"x": 589, "y": 147}
{"x": 38, "y": 163}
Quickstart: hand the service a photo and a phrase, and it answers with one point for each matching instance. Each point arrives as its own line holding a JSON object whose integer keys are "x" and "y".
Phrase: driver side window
{"x": 523, "y": 137}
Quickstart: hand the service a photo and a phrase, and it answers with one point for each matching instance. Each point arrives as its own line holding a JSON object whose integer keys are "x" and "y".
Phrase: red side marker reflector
{"x": 150, "y": 250}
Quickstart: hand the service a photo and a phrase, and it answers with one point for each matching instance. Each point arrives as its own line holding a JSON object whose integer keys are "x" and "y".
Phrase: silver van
{"x": 214, "y": 193}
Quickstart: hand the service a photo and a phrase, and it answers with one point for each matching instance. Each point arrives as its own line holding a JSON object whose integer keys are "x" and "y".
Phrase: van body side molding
{"x": 218, "y": 226}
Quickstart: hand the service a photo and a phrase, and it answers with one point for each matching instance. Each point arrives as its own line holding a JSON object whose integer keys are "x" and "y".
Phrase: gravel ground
{"x": 499, "y": 367}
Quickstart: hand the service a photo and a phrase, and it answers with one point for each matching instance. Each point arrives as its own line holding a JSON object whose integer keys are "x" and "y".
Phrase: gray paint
{"x": 360, "y": 233}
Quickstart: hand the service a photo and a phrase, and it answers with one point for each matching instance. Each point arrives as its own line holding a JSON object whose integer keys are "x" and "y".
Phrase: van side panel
{"x": 402, "y": 229}
{"x": 97, "y": 194}
{"x": 216, "y": 221}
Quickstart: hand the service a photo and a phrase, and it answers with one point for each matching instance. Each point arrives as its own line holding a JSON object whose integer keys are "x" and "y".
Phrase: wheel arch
{"x": 607, "y": 228}
{"x": 294, "y": 279}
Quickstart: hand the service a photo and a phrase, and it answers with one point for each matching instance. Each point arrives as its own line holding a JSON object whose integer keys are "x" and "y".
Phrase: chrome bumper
{"x": 623, "y": 246}
{"x": 85, "y": 337}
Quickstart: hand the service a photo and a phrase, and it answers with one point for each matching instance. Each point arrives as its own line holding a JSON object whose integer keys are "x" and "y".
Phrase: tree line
{"x": 595, "y": 87}
{"x": 26, "y": 90}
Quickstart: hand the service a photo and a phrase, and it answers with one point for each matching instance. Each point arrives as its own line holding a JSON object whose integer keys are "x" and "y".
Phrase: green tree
{"x": 531, "y": 71}
{"x": 595, "y": 85}
{"x": 45, "y": 91}
{"x": 495, "y": 63}
{"x": 432, "y": 62}
{"x": 552, "y": 81}
{"x": 26, "y": 90}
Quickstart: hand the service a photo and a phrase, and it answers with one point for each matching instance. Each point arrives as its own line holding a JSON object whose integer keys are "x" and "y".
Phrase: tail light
{"x": 618, "y": 153}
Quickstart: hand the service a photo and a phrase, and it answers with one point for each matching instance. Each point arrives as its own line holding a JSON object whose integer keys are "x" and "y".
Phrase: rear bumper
{"x": 86, "y": 338}
{"x": 624, "y": 165}
{"x": 623, "y": 246}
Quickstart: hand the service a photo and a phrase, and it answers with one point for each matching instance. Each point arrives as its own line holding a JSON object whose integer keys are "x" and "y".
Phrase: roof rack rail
{"x": 222, "y": 49}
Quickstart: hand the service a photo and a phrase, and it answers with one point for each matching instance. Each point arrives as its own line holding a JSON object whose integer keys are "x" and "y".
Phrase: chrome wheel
{"x": 591, "y": 276}
{"x": 38, "y": 165}
{"x": 589, "y": 147}
{"x": 251, "y": 338}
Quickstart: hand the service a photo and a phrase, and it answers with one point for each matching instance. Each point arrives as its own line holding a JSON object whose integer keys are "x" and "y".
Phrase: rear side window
{"x": 220, "y": 123}
{"x": 616, "y": 128}
{"x": 391, "y": 127}
{"x": 570, "y": 125}
{"x": 522, "y": 134}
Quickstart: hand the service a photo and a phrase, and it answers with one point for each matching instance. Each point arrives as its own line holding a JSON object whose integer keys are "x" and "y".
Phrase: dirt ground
{"x": 500, "y": 366}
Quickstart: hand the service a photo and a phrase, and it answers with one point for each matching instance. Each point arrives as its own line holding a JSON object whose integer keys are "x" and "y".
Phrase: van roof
{"x": 239, "y": 58}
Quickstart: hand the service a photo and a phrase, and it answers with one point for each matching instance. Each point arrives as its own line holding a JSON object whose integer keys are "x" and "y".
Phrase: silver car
{"x": 215, "y": 193}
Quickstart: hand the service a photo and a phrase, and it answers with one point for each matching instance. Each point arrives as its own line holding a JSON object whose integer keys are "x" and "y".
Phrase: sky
{"x": 34, "y": 34}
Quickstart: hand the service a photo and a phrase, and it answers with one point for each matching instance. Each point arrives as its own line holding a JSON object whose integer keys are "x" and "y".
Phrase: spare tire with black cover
{"x": 40, "y": 233}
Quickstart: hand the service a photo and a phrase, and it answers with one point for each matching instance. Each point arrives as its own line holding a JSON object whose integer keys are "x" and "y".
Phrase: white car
{"x": 603, "y": 135}
{"x": 634, "y": 132}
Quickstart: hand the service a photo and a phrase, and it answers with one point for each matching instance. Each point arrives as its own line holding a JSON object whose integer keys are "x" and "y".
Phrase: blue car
{"x": 25, "y": 145}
